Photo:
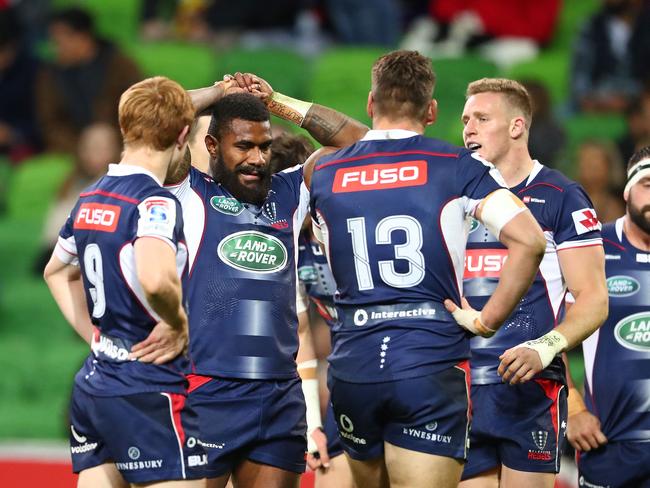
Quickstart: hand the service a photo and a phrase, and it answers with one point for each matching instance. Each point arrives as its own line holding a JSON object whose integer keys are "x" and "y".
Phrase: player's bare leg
{"x": 412, "y": 469}
{"x": 255, "y": 475}
{"x": 369, "y": 473}
{"x": 219, "y": 482}
{"x": 103, "y": 476}
{"x": 338, "y": 475}
{"x": 172, "y": 484}
{"x": 511, "y": 478}
{"x": 487, "y": 479}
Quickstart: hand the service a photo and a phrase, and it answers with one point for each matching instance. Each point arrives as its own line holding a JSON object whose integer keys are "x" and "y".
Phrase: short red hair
{"x": 153, "y": 112}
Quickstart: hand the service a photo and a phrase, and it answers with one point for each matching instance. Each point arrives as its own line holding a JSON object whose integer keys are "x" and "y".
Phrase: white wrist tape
{"x": 312, "y": 402}
{"x": 471, "y": 320}
{"x": 499, "y": 208}
{"x": 548, "y": 346}
{"x": 288, "y": 108}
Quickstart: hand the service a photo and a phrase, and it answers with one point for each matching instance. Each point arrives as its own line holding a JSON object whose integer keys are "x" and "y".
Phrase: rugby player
{"x": 518, "y": 385}
{"x": 609, "y": 429}
{"x": 391, "y": 212}
{"x": 242, "y": 225}
{"x": 116, "y": 276}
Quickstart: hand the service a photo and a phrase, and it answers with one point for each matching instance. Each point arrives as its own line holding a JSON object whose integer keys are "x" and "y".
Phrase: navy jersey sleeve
{"x": 476, "y": 178}
{"x": 66, "y": 247}
{"x": 160, "y": 216}
{"x": 576, "y": 224}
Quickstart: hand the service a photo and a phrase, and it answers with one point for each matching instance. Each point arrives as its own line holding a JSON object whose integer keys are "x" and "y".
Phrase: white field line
{"x": 35, "y": 450}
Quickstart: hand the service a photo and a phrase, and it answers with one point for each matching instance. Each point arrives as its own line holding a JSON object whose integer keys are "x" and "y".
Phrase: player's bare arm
{"x": 64, "y": 281}
{"x": 507, "y": 217}
{"x": 202, "y": 98}
{"x": 307, "y": 363}
{"x": 583, "y": 428}
{"x": 156, "y": 272}
{"x": 583, "y": 269}
{"x": 328, "y": 126}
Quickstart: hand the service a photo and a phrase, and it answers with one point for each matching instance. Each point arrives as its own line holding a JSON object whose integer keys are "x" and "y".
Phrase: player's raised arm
{"x": 203, "y": 98}
{"x": 328, "y": 126}
{"x": 509, "y": 219}
{"x": 64, "y": 281}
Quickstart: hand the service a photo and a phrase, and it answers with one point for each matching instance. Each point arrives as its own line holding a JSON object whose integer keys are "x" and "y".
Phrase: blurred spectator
{"x": 601, "y": 174}
{"x": 610, "y": 57}
{"x": 456, "y": 25}
{"x": 156, "y": 19}
{"x": 18, "y": 68}
{"x": 547, "y": 137}
{"x": 637, "y": 135}
{"x": 360, "y": 22}
{"x": 99, "y": 145}
{"x": 84, "y": 82}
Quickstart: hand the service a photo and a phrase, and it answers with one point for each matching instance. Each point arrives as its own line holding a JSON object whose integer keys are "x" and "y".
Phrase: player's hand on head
{"x": 519, "y": 364}
{"x": 583, "y": 431}
{"x": 229, "y": 85}
{"x": 317, "y": 455}
{"x": 163, "y": 344}
{"x": 254, "y": 84}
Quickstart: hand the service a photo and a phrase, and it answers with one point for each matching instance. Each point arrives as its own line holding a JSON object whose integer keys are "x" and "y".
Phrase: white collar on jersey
{"x": 376, "y": 135}
{"x": 129, "y": 169}
{"x": 537, "y": 167}
{"x": 619, "y": 228}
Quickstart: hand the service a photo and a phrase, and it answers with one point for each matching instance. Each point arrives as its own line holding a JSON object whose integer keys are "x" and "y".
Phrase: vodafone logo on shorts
{"x": 97, "y": 216}
{"x": 484, "y": 263}
{"x": 380, "y": 176}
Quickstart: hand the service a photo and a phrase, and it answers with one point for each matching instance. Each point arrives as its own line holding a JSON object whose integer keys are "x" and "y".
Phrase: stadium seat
{"x": 452, "y": 78}
{"x": 286, "y": 71}
{"x": 34, "y": 184}
{"x": 192, "y": 65}
{"x": 341, "y": 80}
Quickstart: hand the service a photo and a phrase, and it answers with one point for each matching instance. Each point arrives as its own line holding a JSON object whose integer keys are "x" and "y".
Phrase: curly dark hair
{"x": 236, "y": 106}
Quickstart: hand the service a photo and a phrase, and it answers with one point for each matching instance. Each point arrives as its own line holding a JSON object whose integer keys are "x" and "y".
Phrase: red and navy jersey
{"x": 392, "y": 212}
{"x": 617, "y": 356}
{"x": 242, "y": 280}
{"x": 126, "y": 204}
{"x": 315, "y": 274}
{"x": 566, "y": 216}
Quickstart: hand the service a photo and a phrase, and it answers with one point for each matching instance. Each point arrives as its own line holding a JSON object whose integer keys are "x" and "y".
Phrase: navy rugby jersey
{"x": 314, "y": 272}
{"x": 617, "y": 356}
{"x": 392, "y": 212}
{"x": 566, "y": 216}
{"x": 242, "y": 281}
{"x": 128, "y": 203}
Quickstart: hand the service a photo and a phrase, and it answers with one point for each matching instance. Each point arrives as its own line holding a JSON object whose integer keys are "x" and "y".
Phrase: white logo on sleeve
{"x": 157, "y": 217}
{"x": 585, "y": 220}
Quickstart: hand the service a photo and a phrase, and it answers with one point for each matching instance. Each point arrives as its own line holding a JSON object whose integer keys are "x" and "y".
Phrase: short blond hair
{"x": 514, "y": 92}
{"x": 153, "y": 112}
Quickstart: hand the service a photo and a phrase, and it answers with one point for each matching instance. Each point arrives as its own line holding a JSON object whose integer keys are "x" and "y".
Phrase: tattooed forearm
{"x": 332, "y": 128}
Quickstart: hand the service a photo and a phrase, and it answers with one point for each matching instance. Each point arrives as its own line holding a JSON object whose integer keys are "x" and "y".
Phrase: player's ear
{"x": 517, "y": 127}
{"x": 369, "y": 105}
{"x": 212, "y": 145}
{"x": 432, "y": 112}
{"x": 183, "y": 137}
